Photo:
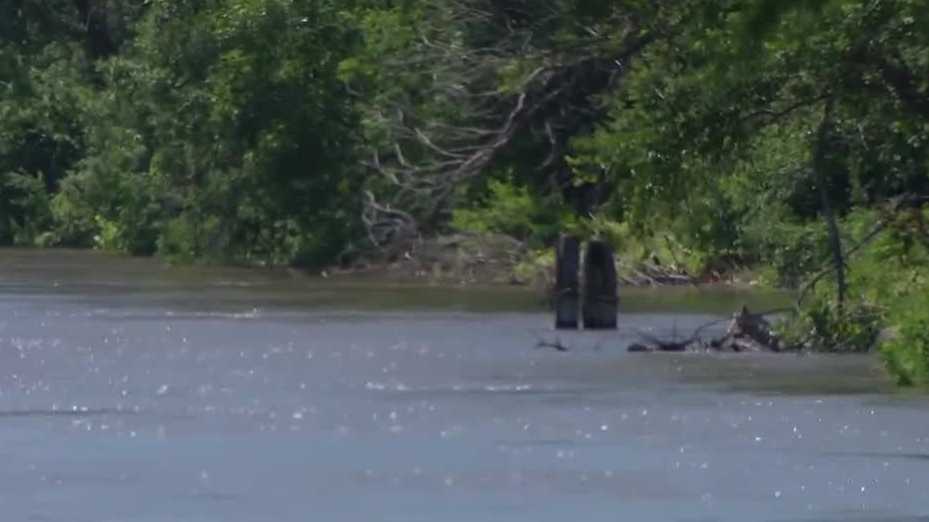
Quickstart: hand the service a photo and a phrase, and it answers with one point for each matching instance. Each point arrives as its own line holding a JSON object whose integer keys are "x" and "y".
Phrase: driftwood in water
{"x": 600, "y": 299}
{"x": 556, "y": 345}
{"x": 567, "y": 298}
{"x": 747, "y": 332}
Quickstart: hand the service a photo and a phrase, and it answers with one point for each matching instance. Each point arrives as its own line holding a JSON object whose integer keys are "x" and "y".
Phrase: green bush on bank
{"x": 887, "y": 302}
{"x": 820, "y": 325}
{"x": 25, "y": 214}
{"x": 906, "y": 346}
{"x": 636, "y": 248}
{"x": 508, "y": 208}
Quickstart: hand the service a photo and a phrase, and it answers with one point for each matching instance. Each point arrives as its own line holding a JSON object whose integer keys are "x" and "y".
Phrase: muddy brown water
{"x": 130, "y": 391}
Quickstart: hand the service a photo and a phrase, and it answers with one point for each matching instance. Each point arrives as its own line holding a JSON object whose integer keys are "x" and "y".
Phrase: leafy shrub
{"x": 792, "y": 250}
{"x": 887, "y": 307}
{"x": 178, "y": 241}
{"x": 906, "y": 349}
{"x": 537, "y": 269}
{"x": 821, "y": 326}
{"x": 512, "y": 210}
{"x": 25, "y": 215}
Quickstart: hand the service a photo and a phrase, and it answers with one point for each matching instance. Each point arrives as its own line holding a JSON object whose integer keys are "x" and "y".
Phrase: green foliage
{"x": 24, "y": 210}
{"x": 893, "y": 273}
{"x": 510, "y": 209}
{"x": 226, "y": 116}
{"x": 635, "y": 247}
{"x": 822, "y": 326}
{"x": 906, "y": 352}
{"x": 714, "y": 136}
{"x": 794, "y": 250}
{"x": 536, "y": 269}
{"x": 886, "y": 308}
{"x": 180, "y": 239}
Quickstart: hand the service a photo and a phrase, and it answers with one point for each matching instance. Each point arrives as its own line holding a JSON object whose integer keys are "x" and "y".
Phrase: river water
{"x": 134, "y": 392}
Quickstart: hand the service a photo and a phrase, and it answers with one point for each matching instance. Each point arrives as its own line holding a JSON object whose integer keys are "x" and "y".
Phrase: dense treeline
{"x": 194, "y": 129}
{"x": 790, "y": 136}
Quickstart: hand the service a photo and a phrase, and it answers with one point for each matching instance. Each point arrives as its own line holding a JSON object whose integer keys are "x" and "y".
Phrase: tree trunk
{"x": 821, "y": 164}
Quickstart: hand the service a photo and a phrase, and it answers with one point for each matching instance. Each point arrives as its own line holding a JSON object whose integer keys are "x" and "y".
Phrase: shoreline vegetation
{"x": 492, "y": 258}
{"x": 769, "y": 143}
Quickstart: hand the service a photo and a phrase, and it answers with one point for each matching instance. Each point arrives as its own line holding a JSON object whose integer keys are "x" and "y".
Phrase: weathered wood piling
{"x": 601, "y": 302}
{"x": 567, "y": 295}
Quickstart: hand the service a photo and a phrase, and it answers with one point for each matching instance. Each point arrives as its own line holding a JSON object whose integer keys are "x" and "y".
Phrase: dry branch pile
{"x": 747, "y": 332}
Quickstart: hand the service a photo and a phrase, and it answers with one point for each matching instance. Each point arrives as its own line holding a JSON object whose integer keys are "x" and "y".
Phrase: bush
{"x": 793, "y": 251}
{"x": 906, "y": 348}
{"x": 887, "y": 300}
{"x": 510, "y": 209}
{"x": 25, "y": 215}
{"x": 178, "y": 241}
{"x": 821, "y": 326}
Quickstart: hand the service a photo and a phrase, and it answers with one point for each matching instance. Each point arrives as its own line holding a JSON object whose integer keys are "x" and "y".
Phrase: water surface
{"x": 130, "y": 391}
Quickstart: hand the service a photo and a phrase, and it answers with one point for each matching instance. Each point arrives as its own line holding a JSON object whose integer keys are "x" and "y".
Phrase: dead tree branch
{"x": 463, "y": 119}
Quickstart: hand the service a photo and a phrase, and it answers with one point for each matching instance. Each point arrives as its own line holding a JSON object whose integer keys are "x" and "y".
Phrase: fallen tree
{"x": 746, "y": 332}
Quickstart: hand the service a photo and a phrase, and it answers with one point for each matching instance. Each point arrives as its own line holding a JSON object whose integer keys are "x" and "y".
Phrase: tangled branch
{"x": 465, "y": 118}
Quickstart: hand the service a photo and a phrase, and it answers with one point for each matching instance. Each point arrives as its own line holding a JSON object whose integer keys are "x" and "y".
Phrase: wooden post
{"x": 567, "y": 299}
{"x": 601, "y": 303}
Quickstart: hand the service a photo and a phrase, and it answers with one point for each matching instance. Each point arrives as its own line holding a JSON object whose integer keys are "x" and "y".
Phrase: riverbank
{"x": 496, "y": 259}
{"x": 139, "y": 279}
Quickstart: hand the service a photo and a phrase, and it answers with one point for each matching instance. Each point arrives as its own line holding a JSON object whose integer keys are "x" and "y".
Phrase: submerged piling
{"x": 601, "y": 302}
{"x": 567, "y": 298}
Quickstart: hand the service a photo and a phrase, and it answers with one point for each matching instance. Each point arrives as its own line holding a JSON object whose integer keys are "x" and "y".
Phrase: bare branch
{"x": 462, "y": 119}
